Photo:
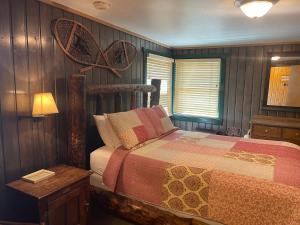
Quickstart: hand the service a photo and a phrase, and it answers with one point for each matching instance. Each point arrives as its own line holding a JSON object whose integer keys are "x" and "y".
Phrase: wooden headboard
{"x": 79, "y": 141}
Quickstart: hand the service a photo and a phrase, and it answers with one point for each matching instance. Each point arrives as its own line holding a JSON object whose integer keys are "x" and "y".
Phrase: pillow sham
{"x": 106, "y": 132}
{"x": 160, "y": 119}
{"x": 132, "y": 127}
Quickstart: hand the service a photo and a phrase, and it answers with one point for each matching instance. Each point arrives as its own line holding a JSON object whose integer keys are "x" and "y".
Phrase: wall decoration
{"x": 79, "y": 44}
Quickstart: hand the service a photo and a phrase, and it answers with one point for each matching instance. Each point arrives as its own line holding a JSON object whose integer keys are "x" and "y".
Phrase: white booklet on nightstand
{"x": 38, "y": 176}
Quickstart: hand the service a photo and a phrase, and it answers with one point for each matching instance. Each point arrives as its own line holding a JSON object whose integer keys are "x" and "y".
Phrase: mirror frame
{"x": 265, "y": 105}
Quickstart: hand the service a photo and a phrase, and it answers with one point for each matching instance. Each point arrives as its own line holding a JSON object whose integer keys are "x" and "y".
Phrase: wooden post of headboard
{"x": 78, "y": 151}
{"x": 154, "y": 99}
{"x": 77, "y": 121}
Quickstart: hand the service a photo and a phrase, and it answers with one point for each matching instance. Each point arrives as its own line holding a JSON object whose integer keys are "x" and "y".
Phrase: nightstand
{"x": 59, "y": 200}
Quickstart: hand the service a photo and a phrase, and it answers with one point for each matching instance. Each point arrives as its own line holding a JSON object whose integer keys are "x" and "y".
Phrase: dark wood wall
{"x": 30, "y": 62}
{"x": 245, "y": 78}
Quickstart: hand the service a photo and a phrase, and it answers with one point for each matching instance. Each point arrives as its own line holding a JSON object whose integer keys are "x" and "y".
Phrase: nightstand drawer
{"x": 266, "y": 131}
{"x": 292, "y": 134}
{"x": 66, "y": 190}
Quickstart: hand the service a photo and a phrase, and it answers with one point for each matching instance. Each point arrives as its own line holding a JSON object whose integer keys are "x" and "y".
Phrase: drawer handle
{"x": 266, "y": 131}
{"x": 297, "y": 134}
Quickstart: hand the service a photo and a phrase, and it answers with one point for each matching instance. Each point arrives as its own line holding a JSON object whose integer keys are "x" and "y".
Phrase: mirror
{"x": 282, "y": 90}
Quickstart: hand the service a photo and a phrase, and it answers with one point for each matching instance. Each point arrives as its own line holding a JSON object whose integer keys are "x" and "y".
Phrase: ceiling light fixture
{"x": 102, "y": 5}
{"x": 255, "y": 8}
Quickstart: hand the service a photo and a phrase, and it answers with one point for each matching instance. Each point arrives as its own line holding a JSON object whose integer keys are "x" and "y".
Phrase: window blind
{"x": 197, "y": 85}
{"x": 159, "y": 67}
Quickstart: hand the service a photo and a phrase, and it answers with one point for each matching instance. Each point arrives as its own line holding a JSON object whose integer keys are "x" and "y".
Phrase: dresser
{"x": 276, "y": 128}
{"x": 59, "y": 200}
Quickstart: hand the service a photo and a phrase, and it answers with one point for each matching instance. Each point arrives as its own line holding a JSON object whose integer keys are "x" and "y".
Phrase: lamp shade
{"x": 43, "y": 104}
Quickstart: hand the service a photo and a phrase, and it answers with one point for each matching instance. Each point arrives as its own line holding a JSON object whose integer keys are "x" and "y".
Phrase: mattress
{"x": 98, "y": 162}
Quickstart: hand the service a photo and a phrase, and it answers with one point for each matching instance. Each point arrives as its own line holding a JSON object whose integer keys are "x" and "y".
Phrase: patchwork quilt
{"x": 229, "y": 180}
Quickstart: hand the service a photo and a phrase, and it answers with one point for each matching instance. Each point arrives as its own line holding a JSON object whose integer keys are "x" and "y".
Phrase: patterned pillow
{"x": 132, "y": 127}
{"x": 159, "y": 119}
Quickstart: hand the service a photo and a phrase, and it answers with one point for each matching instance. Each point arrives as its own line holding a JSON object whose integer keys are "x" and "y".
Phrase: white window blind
{"x": 159, "y": 67}
{"x": 197, "y": 85}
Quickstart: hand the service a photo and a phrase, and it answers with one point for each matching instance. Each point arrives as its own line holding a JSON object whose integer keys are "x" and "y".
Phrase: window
{"x": 193, "y": 90}
{"x": 160, "y": 67}
{"x": 197, "y": 87}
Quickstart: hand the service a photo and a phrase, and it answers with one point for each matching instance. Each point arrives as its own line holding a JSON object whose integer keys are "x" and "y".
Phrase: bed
{"x": 181, "y": 177}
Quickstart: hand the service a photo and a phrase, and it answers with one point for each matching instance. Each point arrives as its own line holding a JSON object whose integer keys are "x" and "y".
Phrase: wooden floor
{"x": 102, "y": 217}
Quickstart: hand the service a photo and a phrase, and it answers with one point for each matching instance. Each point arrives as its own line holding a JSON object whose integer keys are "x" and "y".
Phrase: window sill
{"x": 214, "y": 121}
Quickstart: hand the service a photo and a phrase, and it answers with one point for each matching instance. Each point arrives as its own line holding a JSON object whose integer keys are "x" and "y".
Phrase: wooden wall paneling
{"x": 96, "y": 34}
{"x": 91, "y": 103}
{"x": 227, "y": 51}
{"x": 135, "y": 75}
{"x": 103, "y": 72}
{"x": 257, "y": 81}
{"x": 139, "y": 73}
{"x": 48, "y": 78}
{"x": 96, "y": 74}
{"x": 103, "y": 45}
{"x": 35, "y": 81}
{"x": 240, "y": 85}
{"x": 265, "y": 61}
{"x": 70, "y": 66}
{"x": 8, "y": 98}
{"x": 19, "y": 34}
{"x": 232, "y": 87}
{"x": 124, "y": 79}
{"x": 248, "y": 89}
{"x": 115, "y": 37}
{"x": 60, "y": 97}
{"x": 77, "y": 66}
{"x": 111, "y": 36}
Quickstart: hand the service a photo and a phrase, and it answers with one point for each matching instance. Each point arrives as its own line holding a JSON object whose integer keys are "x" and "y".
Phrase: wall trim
{"x": 258, "y": 44}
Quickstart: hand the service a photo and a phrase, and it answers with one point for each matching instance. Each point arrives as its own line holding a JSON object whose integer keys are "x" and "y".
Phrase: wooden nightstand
{"x": 59, "y": 200}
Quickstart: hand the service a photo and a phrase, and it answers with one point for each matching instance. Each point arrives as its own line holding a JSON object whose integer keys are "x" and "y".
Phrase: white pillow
{"x": 106, "y": 132}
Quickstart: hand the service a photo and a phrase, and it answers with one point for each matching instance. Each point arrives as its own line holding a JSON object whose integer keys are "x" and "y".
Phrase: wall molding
{"x": 258, "y": 44}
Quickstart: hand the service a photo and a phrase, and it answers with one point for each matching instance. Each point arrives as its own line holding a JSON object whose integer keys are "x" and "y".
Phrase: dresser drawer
{"x": 291, "y": 134}
{"x": 266, "y": 131}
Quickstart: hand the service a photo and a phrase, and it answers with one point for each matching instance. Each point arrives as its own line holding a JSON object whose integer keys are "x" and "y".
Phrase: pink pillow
{"x": 159, "y": 119}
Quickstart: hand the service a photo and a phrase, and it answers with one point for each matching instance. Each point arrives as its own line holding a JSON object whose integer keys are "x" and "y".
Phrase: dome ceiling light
{"x": 255, "y": 8}
{"x": 102, "y": 5}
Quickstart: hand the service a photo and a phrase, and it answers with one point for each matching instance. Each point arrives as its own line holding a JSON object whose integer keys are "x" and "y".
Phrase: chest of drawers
{"x": 276, "y": 128}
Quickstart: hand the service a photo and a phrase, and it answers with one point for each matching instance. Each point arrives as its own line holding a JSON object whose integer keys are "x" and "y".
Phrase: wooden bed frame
{"x": 84, "y": 138}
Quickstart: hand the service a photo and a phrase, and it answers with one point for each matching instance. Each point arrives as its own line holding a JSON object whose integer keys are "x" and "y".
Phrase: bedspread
{"x": 230, "y": 180}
